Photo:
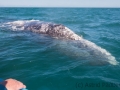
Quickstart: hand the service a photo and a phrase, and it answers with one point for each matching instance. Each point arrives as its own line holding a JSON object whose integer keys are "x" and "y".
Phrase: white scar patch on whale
{"x": 88, "y": 49}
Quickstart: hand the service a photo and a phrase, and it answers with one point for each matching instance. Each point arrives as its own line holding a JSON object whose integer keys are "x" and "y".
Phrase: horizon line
{"x": 53, "y": 7}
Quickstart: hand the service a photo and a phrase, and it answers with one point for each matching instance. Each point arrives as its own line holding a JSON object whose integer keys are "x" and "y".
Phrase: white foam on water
{"x": 20, "y": 24}
{"x": 86, "y": 50}
{"x": 98, "y": 52}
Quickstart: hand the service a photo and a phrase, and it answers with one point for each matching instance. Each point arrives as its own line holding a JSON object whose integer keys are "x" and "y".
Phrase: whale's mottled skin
{"x": 54, "y": 30}
{"x": 60, "y": 31}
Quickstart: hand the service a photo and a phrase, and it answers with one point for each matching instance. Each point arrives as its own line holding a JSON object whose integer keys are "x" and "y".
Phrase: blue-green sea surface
{"x": 45, "y": 63}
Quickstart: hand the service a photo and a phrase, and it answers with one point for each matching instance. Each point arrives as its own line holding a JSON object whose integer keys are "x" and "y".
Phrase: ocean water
{"x": 42, "y": 62}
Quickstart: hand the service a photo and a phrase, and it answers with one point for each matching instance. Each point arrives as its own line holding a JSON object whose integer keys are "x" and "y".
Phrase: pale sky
{"x": 60, "y": 3}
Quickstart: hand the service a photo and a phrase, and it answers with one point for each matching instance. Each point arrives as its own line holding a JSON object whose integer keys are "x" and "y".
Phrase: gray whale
{"x": 54, "y": 30}
{"x": 60, "y": 31}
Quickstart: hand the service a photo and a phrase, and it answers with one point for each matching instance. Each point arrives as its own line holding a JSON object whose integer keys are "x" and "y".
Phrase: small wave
{"x": 112, "y": 24}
